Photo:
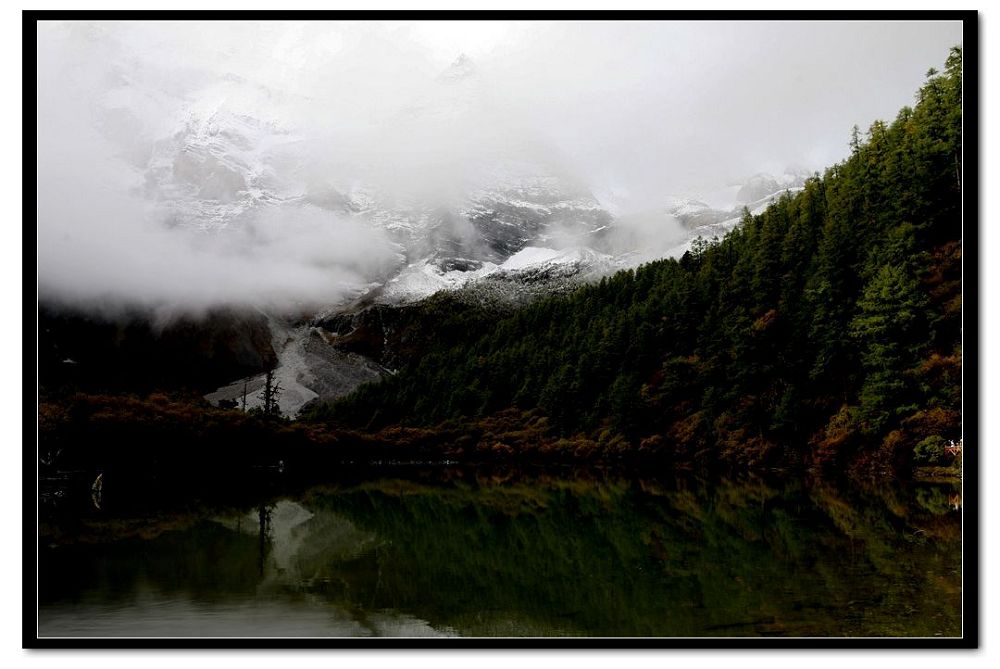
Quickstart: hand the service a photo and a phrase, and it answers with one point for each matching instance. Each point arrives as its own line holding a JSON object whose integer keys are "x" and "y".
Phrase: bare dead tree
{"x": 269, "y": 394}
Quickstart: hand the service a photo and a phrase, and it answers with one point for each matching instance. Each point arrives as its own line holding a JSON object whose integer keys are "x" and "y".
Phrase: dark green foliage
{"x": 888, "y": 312}
{"x": 835, "y": 313}
{"x": 930, "y": 451}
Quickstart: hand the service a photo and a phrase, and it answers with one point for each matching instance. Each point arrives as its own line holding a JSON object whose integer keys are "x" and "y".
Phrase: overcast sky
{"x": 648, "y": 109}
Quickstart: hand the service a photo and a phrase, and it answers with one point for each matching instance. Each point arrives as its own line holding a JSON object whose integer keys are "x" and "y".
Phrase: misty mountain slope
{"x": 825, "y": 330}
{"x": 701, "y": 220}
{"x": 529, "y": 274}
{"x": 219, "y": 165}
{"x": 538, "y": 228}
{"x": 519, "y": 204}
{"x": 509, "y": 204}
{"x": 226, "y": 168}
{"x": 222, "y": 172}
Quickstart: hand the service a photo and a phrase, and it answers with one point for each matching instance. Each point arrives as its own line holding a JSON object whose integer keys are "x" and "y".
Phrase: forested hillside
{"x": 826, "y": 330}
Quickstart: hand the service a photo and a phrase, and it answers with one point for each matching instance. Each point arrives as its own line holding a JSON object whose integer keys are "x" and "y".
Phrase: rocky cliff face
{"x": 524, "y": 204}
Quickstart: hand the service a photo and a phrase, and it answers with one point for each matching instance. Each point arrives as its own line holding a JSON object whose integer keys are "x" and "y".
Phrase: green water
{"x": 466, "y": 554}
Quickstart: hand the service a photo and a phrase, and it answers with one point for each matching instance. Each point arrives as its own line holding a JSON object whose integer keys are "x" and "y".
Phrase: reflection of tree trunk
{"x": 97, "y": 491}
{"x": 262, "y": 537}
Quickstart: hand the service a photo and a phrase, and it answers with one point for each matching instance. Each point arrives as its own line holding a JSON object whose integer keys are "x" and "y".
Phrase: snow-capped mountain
{"x": 531, "y": 272}
{"x": 222, "y": 162}
{"x": 426, "y": 277}
{"x": 218, "y": 166}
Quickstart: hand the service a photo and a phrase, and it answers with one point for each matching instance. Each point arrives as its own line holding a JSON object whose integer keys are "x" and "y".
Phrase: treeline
{"x": 825, "y": 330}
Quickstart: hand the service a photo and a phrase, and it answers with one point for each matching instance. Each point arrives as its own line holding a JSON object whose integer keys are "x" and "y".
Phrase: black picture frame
{"x": 971, "y": 361}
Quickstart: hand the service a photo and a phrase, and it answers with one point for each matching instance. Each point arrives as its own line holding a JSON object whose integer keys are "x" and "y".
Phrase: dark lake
{"x": 459, "y": 553}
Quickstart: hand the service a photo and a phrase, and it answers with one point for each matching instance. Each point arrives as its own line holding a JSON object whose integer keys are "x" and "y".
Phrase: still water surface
{"x": 460, "y": 554}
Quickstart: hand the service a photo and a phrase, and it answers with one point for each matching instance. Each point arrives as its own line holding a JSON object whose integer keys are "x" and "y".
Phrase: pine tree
{"x": 888, "y": 313}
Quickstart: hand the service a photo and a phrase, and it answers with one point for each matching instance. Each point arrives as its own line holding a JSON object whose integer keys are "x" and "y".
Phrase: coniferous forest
{"x": 825, "y": 331}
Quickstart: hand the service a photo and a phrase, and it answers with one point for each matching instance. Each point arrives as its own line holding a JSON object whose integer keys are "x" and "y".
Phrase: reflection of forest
{"x": 487, "y": 555}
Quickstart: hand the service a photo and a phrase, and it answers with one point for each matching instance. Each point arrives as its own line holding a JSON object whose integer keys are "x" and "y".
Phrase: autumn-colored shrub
{"x": 838, "y": 439}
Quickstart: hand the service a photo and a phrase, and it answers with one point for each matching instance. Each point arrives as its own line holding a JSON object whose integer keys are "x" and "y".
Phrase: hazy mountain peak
{"x": 462, "y": 67}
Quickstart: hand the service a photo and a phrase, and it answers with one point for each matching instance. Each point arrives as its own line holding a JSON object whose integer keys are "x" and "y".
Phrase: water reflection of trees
{"x": 505, "y": 553}
{"x": 627, "y": 557}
